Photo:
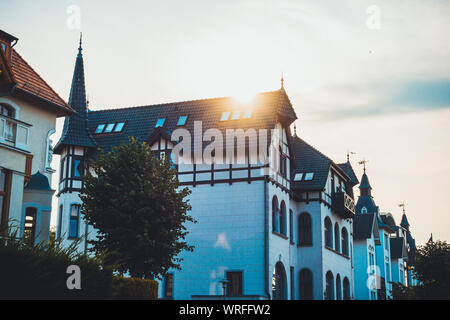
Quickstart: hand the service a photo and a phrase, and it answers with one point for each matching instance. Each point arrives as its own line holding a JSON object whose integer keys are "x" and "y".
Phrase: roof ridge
{"x": 39, "y": 76}
{"x": 176, "y": 102}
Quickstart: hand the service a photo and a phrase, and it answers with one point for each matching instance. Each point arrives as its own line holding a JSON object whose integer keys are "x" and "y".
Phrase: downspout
{"x": 266, "y": 240}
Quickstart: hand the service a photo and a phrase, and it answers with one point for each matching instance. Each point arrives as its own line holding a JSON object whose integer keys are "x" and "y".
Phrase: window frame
{"x": 74, "y": 218}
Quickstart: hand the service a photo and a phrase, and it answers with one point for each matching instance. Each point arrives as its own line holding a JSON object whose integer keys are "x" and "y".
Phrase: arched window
{"x": 345, "y": 242}
{"x": 304, "y": 229}
{"x": 328, "y": 233}
{"x": 29, "y": 232}
{"x": 329, "y": 286}
{"x": 283, "y": 218}
{"x": 275, "y": 215}
{"x": 338, "y": 287}
{"x": 363, "y": 210}
{"x": 306, "y": 284}
{"x": 279, "y": 282}
{"x": 337, "y": 238}
{"x": 346, "y": 284}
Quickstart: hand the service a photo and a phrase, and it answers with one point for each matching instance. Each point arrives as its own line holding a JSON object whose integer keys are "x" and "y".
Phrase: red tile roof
{"x": 29, "y": 80}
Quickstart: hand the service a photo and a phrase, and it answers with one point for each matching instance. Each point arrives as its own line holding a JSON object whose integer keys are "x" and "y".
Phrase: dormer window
{"x": 247, "y": 114}
{"x": 236, "y": 115}
{"x": 182, "y": 121}
{"x": 109, "y": 127}
{"x": 119, "y": 127}
{"x": 100, "y": 128}
{"x": 6, "y": 111}
{"x": 225, "y": 116}
{"x": 298, "y": 177}
{"x": 309, "y": 176}
{"x": 160, "y": 122}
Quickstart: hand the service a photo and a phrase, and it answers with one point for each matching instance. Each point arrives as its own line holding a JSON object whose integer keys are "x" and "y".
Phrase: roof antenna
{"x": 81, "y": 40}
{"x": 402, "y": 205}
{"x": 348, "y": 155}
{"x": 364, "y": 164}
{"x": 282, "y": 80}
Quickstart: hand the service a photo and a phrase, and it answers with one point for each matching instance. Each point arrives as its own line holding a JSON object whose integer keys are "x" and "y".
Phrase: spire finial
{"x": 364, "y": 164}
{"x": 295, "y": 129}
{"x": 282, "y": 80}
{"x": 81, "y": 40}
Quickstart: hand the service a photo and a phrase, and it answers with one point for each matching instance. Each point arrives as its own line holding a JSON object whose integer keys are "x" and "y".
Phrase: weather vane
{"x": 402, "y": 205}
{"x": 363, "y": 162}
{"x": 348, "y": 155}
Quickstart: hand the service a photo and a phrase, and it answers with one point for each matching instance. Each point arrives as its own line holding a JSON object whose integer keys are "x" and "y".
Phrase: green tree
{"x": 432, "y": 269}
{"x": 134, "y": 201}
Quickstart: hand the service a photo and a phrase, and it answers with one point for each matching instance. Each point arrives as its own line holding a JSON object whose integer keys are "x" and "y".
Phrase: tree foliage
{"x": 134, "y": 201}
{"x": 432, "y": 270}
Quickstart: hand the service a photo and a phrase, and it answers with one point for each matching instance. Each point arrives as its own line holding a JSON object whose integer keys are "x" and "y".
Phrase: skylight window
{"x": 182, "y": 120}
{"x": 247, "y": 114}
{"x": 236, "y": 115}
{"x": 100, "y": 128}
{"x": 298, "y": 177}
{"x": 224, "y": 116}
{"x": 309, "y": 176}
{"x": 109, "y": 127}
{"x": 160, "y": 122}
{"x": 119, "y": 127}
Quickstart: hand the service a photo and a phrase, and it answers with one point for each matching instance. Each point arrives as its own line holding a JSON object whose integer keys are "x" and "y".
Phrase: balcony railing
{"x": 14, "y": 133}
{"x": 343, "y": 205}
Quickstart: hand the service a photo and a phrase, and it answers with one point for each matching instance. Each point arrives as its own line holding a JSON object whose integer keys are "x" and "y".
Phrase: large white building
{"x": 275, "y": 229}
{"x": 28, "y": 111}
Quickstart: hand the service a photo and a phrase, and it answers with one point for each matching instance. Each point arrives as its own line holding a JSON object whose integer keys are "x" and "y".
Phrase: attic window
{"x": 160, "y": 122}
{"x": 3, "y": 47}
{"x": 119, "y": 127}
{"x": 247, "y": 114}
{"x": 224, "y": 116}
{"x": 298, "y": 177}
{"x": 109, "y": 127}
{"x": 182, "y": 120}
{"x": 100, "y": 128}
{"x": 309, "y": 176}
{"x": 236, "y": 115}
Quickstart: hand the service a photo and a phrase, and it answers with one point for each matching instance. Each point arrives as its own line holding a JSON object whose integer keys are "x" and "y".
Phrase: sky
{"x": 371, "y": 77}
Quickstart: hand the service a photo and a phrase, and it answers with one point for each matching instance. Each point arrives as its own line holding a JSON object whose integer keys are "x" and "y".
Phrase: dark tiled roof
{"x": 347, "y": 168}
{"x": 140, "y": 121}
{"x": 309, "y": 159}
{"x": 29, "y": 81}
{"x": 363, "y": 225}
{"x": 368, "y": 202}
{"x": 75, "y": 130}
{"x": 404, "y": 222}
{"x": 397, "y": 246}
{"x": 38, "y": 182}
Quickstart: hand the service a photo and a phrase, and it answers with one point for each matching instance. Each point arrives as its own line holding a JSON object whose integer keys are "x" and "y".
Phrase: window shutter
{"x": 28, "y": 167}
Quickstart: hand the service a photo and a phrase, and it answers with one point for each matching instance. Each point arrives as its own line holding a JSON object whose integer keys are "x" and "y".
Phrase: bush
{"x": 134, "y": 288}
{"x": 39, "y": 272}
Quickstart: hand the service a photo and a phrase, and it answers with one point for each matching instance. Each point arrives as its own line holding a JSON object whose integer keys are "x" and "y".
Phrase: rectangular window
{"x": 60, "y": 220}
{"x": 292, "y": 284}
{"x": 234, "y": 287}
{"x": 160, "y": 122}
{"x": 298, "y": 177}
{"x": 119, "y": 127}
{"x": 182, "y": 121}
{"x": 28, "y": 166}
{"x": 76, "y": 168}
{"x": 74, "y": 221}
{"x": 5, "y": 185}
{"x": 168, "y": 285}
{"x": 100, "y": 128}
{"x": 291, "y": 226}
{"x": 109, "y": 127}
{"x": 224, "y": 116}
{"x": 30, "y": 225}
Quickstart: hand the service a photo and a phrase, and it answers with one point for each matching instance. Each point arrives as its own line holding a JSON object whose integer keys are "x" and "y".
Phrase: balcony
{"x": 343, "y": 205}
{"x": 14, "y": 133}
